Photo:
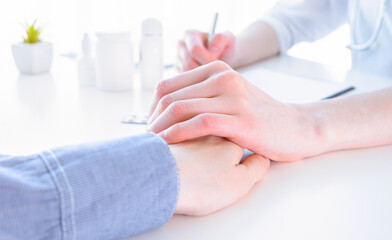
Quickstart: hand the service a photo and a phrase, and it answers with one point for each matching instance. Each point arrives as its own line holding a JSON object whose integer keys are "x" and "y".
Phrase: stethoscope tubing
{"x": 354, "y": 46}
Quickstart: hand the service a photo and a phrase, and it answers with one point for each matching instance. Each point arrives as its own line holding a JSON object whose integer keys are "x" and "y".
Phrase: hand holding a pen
{"x": 195, "y": 49}
{"x": 198, "y": 48}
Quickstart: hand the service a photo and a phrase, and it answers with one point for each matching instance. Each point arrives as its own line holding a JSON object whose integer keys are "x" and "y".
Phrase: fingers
{"x": 186, "y": 109}
{"x": 186, "y": 79}
{"x": 185, "y": 61}
{"x": 219, "y": 43}
{"x": 199, "y": 90}
{"x": 195, "y": 44}
{"x": 193, "y": 50}
{"x": 254, "y": 167}
{"x": 251, "y": 171}
{"x": 202, "y": 125}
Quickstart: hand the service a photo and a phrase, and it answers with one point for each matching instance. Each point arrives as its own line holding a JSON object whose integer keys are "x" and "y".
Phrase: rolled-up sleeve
{"x": 305, "y": 20}
{"x": 105, "y": 190}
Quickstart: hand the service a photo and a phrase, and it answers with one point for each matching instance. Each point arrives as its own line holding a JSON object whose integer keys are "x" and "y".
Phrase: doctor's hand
{"x": 193, "y": 50}
{"x": 211, "y": 176}
{"x": 216, "y": 100}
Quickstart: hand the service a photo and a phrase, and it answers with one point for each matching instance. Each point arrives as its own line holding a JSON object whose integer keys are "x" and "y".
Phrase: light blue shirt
{"x": 105, "y": 190}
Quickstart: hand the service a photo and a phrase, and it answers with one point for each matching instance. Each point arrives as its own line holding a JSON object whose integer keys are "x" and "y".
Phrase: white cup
{"x": 114, "y": 61}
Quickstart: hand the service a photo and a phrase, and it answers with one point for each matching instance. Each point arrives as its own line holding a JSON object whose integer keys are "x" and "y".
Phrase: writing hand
{"x": 193, "y": 50}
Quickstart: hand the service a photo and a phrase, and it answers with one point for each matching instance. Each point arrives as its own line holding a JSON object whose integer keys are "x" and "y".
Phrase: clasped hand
{"x": 216, "y": 100}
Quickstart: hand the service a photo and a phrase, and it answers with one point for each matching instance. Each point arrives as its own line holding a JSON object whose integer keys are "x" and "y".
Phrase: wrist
{"x": 177, "y": 154}
{"x": 318, "y": 137}
{"x": 236, "y": 58}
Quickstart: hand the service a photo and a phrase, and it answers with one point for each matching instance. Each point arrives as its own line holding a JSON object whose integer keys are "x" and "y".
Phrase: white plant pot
{"x": 33, "y": 58}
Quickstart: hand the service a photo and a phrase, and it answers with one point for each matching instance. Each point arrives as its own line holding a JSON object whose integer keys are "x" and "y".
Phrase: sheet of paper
{"x": 289, "y": 88}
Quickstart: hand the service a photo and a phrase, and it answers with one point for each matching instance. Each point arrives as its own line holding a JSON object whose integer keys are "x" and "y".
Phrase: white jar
{"x": 114, "y": 61}
{"x": 151, "y": 54}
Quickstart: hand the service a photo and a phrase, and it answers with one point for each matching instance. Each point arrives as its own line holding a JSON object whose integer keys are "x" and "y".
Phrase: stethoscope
{"x": 371, "y": 42}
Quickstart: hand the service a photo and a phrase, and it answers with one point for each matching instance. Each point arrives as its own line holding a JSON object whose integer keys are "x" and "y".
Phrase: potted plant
{"x": 33, "y": 56}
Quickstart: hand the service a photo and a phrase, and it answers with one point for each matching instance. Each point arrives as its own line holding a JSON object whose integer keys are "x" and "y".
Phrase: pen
{"x": 212, "y": 32}
{"x": 342, "y": 92}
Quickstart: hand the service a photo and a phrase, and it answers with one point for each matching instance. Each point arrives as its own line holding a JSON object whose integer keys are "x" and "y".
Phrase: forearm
{"x": 257, "y": 42}
{"x": 357, "y": 121}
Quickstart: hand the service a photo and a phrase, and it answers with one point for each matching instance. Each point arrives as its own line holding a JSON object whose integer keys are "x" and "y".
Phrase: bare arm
{"x": 257, "y": 42}
{"x": 357, "y": 121}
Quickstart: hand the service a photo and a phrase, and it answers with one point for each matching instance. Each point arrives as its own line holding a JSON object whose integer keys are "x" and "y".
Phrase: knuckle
{"x": 166, "y": 101}
{"x": 219, "y": 65}
{"x": 233, "y": 78}
{"x": 188, "y": 66}
{"x": 229, "y": 78}
{"x": 178, "y": 109}
{"x": 231, "y": 74}
{"x": 195, "y": 50}
{"x": 175, "y": 132}
{"x": 218, "y": 82}
{"x": 208, "y": 121}
{"x": 220, "y": 37}
{"x": 160, "y": 88}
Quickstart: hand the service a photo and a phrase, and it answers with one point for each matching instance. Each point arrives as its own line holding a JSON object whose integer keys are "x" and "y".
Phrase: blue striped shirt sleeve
{"x": 104, "y": 190}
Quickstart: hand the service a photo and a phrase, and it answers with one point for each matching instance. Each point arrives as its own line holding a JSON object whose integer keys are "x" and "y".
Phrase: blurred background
{"x": 65, "y": 21}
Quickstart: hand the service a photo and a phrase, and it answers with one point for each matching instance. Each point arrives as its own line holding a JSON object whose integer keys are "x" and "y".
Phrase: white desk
{"x": 341, "y": 195}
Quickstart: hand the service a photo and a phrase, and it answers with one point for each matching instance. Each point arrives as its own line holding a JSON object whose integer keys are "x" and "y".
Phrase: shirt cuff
{"x": 114, "y": 189}
{"x": 282, "y": 31}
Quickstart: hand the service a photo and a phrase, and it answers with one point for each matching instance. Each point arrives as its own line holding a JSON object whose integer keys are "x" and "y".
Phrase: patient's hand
{"x": 211, "y": 177}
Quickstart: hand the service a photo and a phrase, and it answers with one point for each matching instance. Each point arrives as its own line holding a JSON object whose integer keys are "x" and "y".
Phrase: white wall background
{"x": 64, "y": 22}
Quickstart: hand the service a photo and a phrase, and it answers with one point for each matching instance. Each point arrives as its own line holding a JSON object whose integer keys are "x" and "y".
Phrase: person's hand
{"x": 216, "y": 100}
{"x": 211, "y": 175}
{"x": 193, "y": 50}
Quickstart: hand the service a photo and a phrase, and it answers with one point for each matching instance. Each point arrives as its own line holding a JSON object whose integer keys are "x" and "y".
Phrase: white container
{"x": 114, "y": 61}
{"x": 33, "y": 58}
{"x": 151, "y": 54}
{"x": 86, "y": 65}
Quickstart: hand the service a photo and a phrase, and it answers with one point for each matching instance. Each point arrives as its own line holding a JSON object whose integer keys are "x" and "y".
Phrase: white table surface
{"x": 340, "y": 195}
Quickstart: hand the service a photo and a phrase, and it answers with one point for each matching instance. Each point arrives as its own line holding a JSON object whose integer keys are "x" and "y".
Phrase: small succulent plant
{"x": 32, "y": 33}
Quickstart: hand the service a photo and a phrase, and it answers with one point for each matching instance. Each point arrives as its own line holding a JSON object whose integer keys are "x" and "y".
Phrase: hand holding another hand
{"x": 216, "y": 100}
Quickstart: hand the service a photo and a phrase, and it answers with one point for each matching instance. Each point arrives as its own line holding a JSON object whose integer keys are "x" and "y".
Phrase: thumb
{"x": 256, "y": 167}
{"x": 195, "y": 44}
{"x": 219, "y": 43}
